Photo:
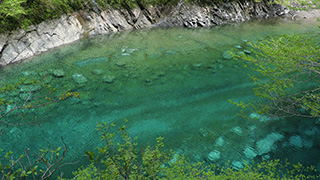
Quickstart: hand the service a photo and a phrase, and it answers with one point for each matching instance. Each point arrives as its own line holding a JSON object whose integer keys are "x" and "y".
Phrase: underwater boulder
{"x": 58, "y": 73}
{"x": 267, "y": 144}
{"x": 214, "y": 155}
{"x": 79, "y": 78}
{"x": 108, "y": 79}
{"x": 249, "y": 152}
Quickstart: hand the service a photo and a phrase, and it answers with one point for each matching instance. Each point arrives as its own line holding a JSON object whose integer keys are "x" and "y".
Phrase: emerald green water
{"x": 170, "y": 82}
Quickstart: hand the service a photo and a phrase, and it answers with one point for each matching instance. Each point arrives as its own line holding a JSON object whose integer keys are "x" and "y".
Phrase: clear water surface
{"x": 169, "y": 82}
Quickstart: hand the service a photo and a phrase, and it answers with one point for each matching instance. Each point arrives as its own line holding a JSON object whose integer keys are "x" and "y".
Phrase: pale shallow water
{"x": 170, "y": 82}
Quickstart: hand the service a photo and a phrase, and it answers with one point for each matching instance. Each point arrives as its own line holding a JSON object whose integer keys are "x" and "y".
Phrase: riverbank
{"x": 22, "y": 44}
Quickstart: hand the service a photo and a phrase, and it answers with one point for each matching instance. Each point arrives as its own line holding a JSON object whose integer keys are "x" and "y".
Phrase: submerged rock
{"x": 214, "y": 155}
{"x": 266, "y": 157}
{"x": 125, "y": 54}
{"x": 97, "y": 71}
{"x": 237, "y": 130}
{"x": 265, "y": 145}
{"x": 299, "y": 142}
{"x": 249, "y": 152}
{"x": 247, "y": 51}
{"x": 261, "y": 118}
{"x": 296, "y": 141}
{"x": 311, "y": 131}
{"x": 79, "y": 78}
{"x": 203, "y": 132}
{"x": 196, "y": 65}
{"x": 28, "y": 73}
{"x": 219, "y": 141}
{"x": 58, "y": 73}
{"x": 30, "y": 88}
{"x": 108, "y": 79}
{"x": 237, "y": 165}
{"x": 120, "y": 64}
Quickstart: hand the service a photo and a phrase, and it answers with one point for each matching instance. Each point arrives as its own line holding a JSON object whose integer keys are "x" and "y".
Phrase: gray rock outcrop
{"x": 21, "y": 44}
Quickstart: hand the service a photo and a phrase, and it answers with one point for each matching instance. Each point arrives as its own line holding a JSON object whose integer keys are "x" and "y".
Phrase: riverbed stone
{"x": 214, "y": 155}
{"x": 219, "y": 141}
{"x": 79, "y": 78}
{"x": 296, "y": 141}
{"x": 237, "y": 165}
{"x": 97, "y": 71}
{"x": 311, "y": 131}
{"x": 58, "y": 73}
{"x": 108, "y": 78}
{"x": 249, "y": 152}
{"x": 196, "y": 65}
{"x": 30, "y": 88}
{"x": 120, "y": 64}
{"x": 267, "y": 144}
{"x": 247, "y": 51}
{"x": 237, "y": 130}
{"x": 28, "y": 73}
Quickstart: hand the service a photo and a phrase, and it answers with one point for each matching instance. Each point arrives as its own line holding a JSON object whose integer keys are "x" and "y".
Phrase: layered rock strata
{"x": 22, "y": 44}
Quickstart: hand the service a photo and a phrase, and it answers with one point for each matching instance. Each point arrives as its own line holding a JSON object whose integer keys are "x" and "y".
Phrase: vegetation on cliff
{"x": 23, "y": 13}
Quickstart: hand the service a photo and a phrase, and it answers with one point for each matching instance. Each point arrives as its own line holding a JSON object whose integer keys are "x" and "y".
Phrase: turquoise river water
{"x": 171, "y": 82}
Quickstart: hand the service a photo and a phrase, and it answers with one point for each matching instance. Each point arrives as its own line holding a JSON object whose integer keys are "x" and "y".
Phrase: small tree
{"x": 288, "y": 79}
{"x": 120, "y": 158}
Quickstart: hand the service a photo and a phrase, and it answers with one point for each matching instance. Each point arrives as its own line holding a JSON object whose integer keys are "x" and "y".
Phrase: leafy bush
{"x": 42, "y": 167}
{"x": 120, "y": 159}
{"x": 288, "y": 79}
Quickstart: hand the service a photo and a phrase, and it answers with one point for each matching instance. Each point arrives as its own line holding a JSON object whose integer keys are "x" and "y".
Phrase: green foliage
{"x": 43, "y": 167}
{"x": 120, "y": 159}
{"x": 288, "y": 78}
{"x": 12, "y": 13}
{"x": 305, "y": 5}
{"x": 12, "y": 8}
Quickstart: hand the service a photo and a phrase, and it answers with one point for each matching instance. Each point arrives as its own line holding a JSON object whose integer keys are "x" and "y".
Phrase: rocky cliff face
{"x": 22, "y": 44}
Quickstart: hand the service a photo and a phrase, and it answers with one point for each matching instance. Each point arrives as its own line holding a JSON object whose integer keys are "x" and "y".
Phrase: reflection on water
{"x": 173, "y": 83}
